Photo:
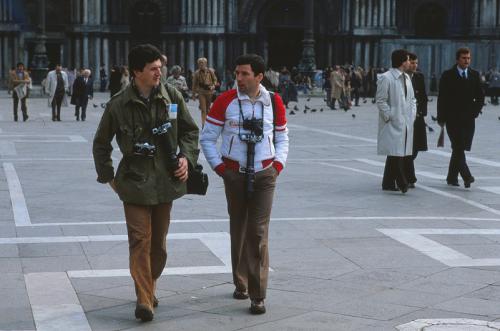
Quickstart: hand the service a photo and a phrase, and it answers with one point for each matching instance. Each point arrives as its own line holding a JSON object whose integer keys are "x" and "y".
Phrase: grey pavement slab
{"x": 332, "y": 267}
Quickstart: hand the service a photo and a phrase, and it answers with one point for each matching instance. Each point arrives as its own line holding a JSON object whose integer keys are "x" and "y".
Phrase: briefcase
{"x": 197, "y": 182}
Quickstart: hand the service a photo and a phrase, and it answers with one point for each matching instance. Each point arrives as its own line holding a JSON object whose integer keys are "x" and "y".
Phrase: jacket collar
{"x": 396, "y": 72}
{"x": 264, "y": 96}
{"x": 132, "y": 95}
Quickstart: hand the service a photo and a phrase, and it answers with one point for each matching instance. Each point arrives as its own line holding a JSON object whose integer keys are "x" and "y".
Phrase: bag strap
{"x": 273, "y": 104}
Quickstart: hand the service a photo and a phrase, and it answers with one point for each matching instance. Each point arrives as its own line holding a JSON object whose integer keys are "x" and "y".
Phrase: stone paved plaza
{"x": 344, "y": 254}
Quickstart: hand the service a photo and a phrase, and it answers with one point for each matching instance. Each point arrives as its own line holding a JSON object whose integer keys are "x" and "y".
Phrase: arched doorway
{"x": 283, "y": 27}
{"x": 430, "y": 21}
{"x": 145, "y": 22}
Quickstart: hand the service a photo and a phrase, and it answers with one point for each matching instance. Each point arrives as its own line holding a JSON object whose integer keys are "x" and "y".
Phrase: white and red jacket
{"x": 224, "y": 119}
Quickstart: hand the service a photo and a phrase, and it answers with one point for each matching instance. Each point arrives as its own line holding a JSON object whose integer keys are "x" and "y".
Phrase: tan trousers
{"x": 205, "y": 101}
{"x": 248, "y": 226}
{"x": 147, "y": 228}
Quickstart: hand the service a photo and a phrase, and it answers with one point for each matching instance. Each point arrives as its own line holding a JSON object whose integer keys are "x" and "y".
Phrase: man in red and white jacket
{"x": 249, "y": 217}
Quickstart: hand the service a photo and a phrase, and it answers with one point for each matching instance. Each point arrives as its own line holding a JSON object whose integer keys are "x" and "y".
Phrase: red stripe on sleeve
{"x": 218, "y": 109}
{"x": 280, "y": 111}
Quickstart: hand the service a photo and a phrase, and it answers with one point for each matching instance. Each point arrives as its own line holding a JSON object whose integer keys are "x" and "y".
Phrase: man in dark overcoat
{"x": 460, "y": 101}
{"x": 419, "y": 126}
{"x": 83, "y": 89}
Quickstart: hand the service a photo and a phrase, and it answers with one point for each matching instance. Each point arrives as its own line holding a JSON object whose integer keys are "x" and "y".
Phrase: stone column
{"x": 356, "y": 13}
{"x": 85, "y": 48}
{"x": 220, "y": 13}
{"x": 370, "y": 14}
{"x": 367, "y": 55}
{"x": 11, "y": 13}
{"x": 220, "y": 55}
{"x": 376, "y": 6}
{"x": 387, "y": 12}
{"x": 127, "y": 47}
{"x": 105, "y": 53}
{"x": 357, "y": 54}
{"x": 85, "y": 12}
{"x": 190, "y": 55}
{"x": 211, "y": 56}
{"x": 172, "y": 51}
{"x": 215, "y": 12}
{"x": 97, "y": 58}
{"x": 393, "y": 13}
{"x": 117, "y": 53}
{"x": 183, "y": 12}
{"x": 196, "y": 12}
{"x": 77, "y": 54}
{"x": 201, "y": 48}
{"x": 362, "y": 11}
{"x": 308, "y": 62}
{"x": 78, "y": 15}
{"x": 104, "y": 11}
{"x": 182, "y": 57}
{"x": 244, "y": 47}
{"x": 348, "y": 15}
{"x": 97, "y": 19}
{"x": 190, "y": 12}
{"x": 3, "y": 64}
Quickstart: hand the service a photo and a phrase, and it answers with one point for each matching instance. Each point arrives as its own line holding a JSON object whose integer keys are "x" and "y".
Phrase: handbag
{"x": 197, "y": 182}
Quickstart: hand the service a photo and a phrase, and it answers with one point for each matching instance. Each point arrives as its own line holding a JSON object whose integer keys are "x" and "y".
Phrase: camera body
{"x": 144, "y": 149}
{"x": 256, "y": 128}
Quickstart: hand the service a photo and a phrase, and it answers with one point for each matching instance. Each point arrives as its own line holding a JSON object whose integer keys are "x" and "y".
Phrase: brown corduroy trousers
{"x": 147, "y": 228}
{"x": 249, "y": 227}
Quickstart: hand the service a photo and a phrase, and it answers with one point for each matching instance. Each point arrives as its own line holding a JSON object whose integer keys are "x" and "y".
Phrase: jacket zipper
{"x": 270, "y": 149}
{"x": 230, "y": 145}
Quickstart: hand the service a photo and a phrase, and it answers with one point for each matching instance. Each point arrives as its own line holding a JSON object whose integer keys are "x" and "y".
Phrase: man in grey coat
{"x": 397, "y": 108}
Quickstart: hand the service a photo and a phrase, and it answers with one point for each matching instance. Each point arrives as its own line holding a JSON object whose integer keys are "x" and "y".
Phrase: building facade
{"x": 88, "y": 33}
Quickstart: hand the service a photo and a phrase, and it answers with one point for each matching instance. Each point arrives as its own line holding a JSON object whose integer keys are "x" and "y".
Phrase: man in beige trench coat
{"x": 397, "y": 109}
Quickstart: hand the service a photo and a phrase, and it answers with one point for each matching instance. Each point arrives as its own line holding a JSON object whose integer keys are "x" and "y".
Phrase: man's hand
{"x": 182, "y": 172}
{"x": 113, "y": 185}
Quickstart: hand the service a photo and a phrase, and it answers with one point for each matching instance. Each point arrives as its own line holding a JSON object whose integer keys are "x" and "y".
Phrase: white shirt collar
{"x": 263, "y": 97}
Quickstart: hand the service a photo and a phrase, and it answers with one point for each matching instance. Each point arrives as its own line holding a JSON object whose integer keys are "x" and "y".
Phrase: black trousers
{"x": 394, "y": 172}
{"x": 56, "y": 106}
{"x": 24, "y": 109}
{"x": 410, "y": 167}
{"x": 458, "y": 164}
{"x": 84, "y": 111}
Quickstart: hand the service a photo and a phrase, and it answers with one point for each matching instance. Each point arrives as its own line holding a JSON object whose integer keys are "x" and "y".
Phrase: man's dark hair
{"x": 141, "y": 55}
{"x": 19, "y": 64}
{"x": 462, "y": 50}
{"x": 398, "y": 57}
{"x": 255, "y": 61}
{"x": 413, "y": 56}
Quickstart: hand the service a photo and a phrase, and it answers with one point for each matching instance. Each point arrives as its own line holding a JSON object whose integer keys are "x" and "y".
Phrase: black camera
{"x": 254, "y": 125}
{"x": 144, "y": 149}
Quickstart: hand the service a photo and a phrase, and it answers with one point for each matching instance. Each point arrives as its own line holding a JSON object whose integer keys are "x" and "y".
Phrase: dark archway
{"x": 145, "y": 22}
{"x": 430, "y": 21}
{"x": 283, "y": 25}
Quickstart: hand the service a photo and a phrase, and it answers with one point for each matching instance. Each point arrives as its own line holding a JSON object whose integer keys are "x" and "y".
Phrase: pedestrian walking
{"x": 337, "y": 81}
{"x": 103, "y": 77}
{"x": 151, "y": 173}
{"x": 19, "y": 81}
{"x": 83, "y": 90}
{"x": 460, "y": 101}
{"x": 419, "y": 126}
{"x": 252, "y": 124}
{"x": 397, "y": 107}
{"x": 58, "y": 87}
{"x": 204, "y": 83}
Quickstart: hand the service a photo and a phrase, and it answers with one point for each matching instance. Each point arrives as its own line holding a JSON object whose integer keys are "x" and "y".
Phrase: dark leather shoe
{"x": 144, "y": 313}
{"x": 468, "y": 181}
{"x": 257, "y": 307}
{"x": 404, "y": 188}
{"x": 452, "y": 183}
{"x": 390, "y": 188}
{"x": 240, "y": 295}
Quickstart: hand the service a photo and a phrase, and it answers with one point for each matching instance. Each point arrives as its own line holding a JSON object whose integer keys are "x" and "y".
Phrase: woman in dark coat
{"x": 115, "y": 80}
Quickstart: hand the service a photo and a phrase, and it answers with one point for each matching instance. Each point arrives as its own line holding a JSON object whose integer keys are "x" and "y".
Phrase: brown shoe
{"x": 240, "y": 295}
{"x": 155, "y": 302}
{"x": 257, "y": 307}
{"x": 144, "y": 313}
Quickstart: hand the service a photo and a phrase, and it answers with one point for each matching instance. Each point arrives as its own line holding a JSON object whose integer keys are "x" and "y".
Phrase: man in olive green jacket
{"x": 151, "y": 173}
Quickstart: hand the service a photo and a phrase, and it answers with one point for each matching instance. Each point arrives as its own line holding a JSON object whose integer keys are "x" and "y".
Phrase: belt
{"x": 236, "y": 166}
